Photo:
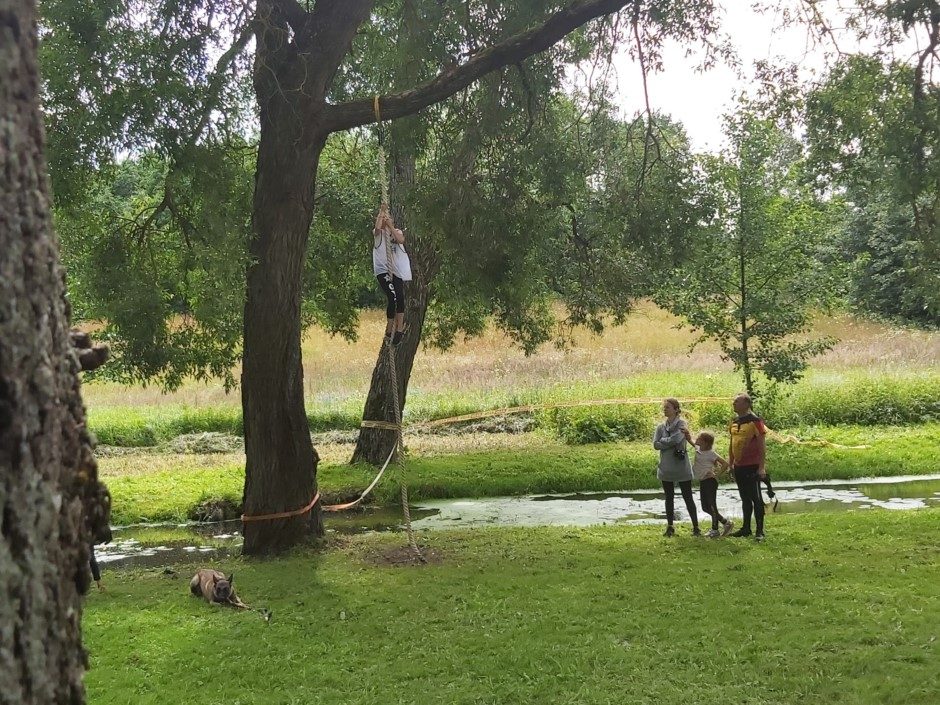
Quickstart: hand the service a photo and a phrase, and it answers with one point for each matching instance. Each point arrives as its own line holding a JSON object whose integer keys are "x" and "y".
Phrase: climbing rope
{"x": 398, "y": 449}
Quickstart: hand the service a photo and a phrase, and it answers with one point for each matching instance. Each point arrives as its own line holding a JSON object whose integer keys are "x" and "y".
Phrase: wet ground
{"x": 166, "y": 545}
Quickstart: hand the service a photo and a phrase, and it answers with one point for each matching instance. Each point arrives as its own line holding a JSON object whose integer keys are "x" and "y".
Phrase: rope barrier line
{"x": 350, "y": 505}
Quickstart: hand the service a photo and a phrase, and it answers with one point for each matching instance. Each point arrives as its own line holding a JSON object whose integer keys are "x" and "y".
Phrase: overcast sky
{"x": 698, "y": 99}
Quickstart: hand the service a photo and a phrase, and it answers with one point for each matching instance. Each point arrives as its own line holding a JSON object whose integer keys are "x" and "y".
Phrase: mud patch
{"x": 215, "y": 510}
{"x": 401, "y": 556}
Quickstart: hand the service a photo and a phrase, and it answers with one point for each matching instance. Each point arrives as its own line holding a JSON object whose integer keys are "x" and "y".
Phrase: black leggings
{"x": 686, "y": 487}
{"x": 93, "y": 563}
{"x": 751, "y": 500}
{"x": 708, "y": 491}
{"x": 394, "y": 289}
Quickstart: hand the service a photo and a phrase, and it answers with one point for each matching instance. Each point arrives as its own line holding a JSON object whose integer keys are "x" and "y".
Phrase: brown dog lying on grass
{"x": 215, "y": 588}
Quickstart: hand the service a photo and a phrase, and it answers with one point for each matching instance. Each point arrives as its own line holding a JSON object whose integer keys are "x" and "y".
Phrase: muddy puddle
{"x": 168, "y": 545}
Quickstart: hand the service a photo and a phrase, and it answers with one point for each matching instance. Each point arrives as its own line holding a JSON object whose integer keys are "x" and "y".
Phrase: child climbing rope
{"x": 387, "y": 237}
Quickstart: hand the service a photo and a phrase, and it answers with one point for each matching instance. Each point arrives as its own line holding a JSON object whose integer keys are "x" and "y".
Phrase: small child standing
{"x": 704, "y": 471}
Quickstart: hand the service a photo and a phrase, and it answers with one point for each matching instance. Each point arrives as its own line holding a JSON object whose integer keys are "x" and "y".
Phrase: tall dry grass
{"x": 336, "y": 371}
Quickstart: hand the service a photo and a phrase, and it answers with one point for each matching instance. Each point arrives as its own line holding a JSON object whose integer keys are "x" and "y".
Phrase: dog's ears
{"x": 231, "y": 578}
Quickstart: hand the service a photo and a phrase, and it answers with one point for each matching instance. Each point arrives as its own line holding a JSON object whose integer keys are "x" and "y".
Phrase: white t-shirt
{"x": 401, "y": 265}
{"x": 704, "y": 465}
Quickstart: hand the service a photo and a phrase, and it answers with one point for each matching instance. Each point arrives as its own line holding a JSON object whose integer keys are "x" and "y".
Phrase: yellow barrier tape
{"x": 819, "y": 443}
{"x": 558, "y": 405}
{"x": 384, "y": 425}
{"x": 634, "y": 401}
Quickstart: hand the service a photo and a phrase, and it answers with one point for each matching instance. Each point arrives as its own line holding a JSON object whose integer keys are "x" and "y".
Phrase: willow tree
{"x": 50, "y": 498}
{"x": 305, "y": 81}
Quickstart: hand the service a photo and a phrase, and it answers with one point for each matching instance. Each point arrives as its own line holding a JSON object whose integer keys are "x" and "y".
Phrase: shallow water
{"x": 643, "y": 506}
{"x": 167, "y": 545}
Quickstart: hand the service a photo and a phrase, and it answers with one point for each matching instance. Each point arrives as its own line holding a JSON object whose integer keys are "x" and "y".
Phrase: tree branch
{"x": 513, "y": 50}
{"x": 333, "y": 25}
{"x": 294, "y": 13}
{"x": 217, "y": 79}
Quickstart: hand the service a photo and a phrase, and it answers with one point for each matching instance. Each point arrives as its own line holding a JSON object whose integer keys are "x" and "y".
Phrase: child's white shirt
{"x": 401, "y": 264}
{"x": 704, "y": 465}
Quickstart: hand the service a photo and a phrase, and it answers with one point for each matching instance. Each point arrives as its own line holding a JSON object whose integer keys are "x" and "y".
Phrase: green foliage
{"x": 863, "y": 401}
{"x": 581, "y": 425}
{"x": 163, "y": 269}
{"x": 865, "y": 130}
{"x": 140, "y": 428}
{"x": 148, "y": 109}
{"x": 753, "y": 274}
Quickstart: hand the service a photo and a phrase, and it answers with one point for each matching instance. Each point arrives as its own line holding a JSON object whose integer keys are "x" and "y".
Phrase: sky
{"x": 699, "y": 100}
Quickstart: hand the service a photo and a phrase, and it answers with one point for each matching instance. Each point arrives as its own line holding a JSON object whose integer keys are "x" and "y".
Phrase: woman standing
{"x": 671, "y": 439}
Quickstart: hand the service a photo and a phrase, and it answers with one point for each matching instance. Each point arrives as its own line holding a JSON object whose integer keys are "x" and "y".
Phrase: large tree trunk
{"x": 374, "y": 445}
{"x": 281, "y": 463}
{"x": 50, "y": 498}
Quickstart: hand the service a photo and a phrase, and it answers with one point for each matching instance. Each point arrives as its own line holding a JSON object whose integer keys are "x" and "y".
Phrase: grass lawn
{"x": 167, "y": 487}
{"x": 834, "y": 608}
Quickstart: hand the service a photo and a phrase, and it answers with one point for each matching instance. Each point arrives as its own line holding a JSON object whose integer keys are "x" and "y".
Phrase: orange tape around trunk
{"x": 282, "y": 515}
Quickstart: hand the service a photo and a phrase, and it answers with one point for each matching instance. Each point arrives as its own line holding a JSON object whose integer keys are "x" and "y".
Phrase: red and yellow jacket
{"x": 747, "y": 440}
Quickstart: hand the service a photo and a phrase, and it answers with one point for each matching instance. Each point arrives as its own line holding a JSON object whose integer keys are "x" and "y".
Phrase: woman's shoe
{"x": 669, "y": 531}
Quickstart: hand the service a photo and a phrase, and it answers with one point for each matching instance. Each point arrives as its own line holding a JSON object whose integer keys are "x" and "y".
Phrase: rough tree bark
{"x": 298, "y": 53}
{"x": 373, "y": 444}
{"x": 50, "y": 500}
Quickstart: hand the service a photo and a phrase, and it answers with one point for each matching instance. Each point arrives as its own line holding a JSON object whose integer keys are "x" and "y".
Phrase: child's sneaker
{"x": 396, "y": 339}
{"x": 669, "y": 531}
{"x": 760, "y": 537}
{"x": 713, "y": 534}
{"x": 728, "y": 527}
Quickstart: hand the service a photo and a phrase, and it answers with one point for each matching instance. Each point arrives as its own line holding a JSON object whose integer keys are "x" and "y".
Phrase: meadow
{"x": 833, "y": 608}
{"x": 164, "y": 454}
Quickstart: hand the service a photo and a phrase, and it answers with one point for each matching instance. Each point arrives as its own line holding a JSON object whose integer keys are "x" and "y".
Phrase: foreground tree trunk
{"x": 373, "y": 444}
{"x": 50, "y": 498}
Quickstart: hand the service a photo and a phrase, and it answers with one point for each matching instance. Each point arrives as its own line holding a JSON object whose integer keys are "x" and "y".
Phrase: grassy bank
{"x": 833, "y": 609}
{"x": 534, "y": 464}
{"x": 845, "y": 397}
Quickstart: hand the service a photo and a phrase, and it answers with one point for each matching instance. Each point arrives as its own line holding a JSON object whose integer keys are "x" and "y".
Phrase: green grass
{"x": 849, "y": 397}
{"x": 544, "y": 466}
{"x": 832, "y": 609}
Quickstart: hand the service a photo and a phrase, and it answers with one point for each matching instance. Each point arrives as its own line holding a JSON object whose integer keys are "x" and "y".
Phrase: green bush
{"x": 709, "y": 415}
{"x": 865, "y": 401}
{"x": 579, "y": 426}
{"x": 128, "y": 433}
{"x": 137, "y": 428}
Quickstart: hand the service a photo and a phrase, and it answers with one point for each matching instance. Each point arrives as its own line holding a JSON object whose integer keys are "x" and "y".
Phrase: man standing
{"x": 746, "y": 457}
